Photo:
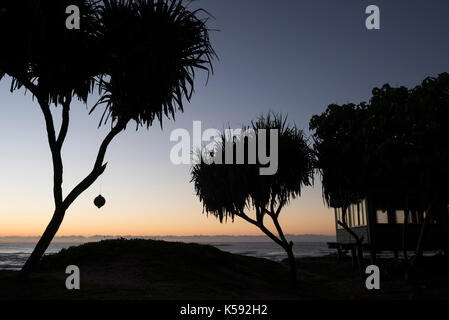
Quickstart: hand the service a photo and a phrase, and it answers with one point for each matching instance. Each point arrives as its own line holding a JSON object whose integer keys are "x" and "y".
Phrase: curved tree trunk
{"x": 288, "y": 247}
{"x": 358, "y": 252}
{"x": 292, "y": 263}
{"x": 42, "y": 245}
{"x": 63, "y": 204}
{"x": 419, "y": 246}
{"x": 404, "y": 236}
{"x": 358, "y": 242}
{"x": 281, "y": 241}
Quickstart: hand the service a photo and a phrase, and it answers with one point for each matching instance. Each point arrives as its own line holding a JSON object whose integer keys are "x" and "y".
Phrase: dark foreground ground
{"x": 148, "y": 269}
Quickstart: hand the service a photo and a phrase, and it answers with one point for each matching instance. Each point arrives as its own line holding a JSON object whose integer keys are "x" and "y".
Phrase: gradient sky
{"x": 294, "y": 57}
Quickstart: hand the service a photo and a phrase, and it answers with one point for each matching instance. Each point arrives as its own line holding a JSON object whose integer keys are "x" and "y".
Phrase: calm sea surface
{"x": 14, "y": 255}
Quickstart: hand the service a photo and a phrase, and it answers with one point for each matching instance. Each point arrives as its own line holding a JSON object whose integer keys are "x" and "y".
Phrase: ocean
{"x": 14, "y": 255}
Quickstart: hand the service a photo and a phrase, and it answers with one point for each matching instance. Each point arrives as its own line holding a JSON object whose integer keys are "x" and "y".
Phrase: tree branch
{"x": 65, "y": 122}
{"x": 242, "y": 215}
{"x": 29, "y": 85}
{"x": 98, "y": 168}
{"x": 345, "y": 226}
{"x": 55, "y": 151}
{"x": 352, "y": 233}
{"x": 274, "y": 214}
{"x": 45, "y": 107}
{"x": 279, "y": 229}
{"x": 259, "y": 215}
{"x": 278, "y": 210}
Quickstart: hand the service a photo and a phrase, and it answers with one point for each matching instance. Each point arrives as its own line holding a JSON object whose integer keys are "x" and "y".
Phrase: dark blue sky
{"x": 299, "y": 56}
{"x": 289, "y": 56}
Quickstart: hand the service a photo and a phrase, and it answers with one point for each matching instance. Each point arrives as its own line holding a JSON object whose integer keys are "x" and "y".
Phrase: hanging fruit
{"x": 99, "y": 201}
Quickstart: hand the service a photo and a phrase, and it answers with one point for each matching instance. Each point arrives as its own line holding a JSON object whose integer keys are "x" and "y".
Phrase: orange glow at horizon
{"x": 89, "y": 221}
{"x": 146, "y": 195}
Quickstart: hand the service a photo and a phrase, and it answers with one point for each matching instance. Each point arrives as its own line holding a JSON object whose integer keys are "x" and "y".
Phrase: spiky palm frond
{"x": 38, "y": 49}
{"x": 15, "y": 36}
{"x": 152, "y": 50}
{"x": 226, "y": 189}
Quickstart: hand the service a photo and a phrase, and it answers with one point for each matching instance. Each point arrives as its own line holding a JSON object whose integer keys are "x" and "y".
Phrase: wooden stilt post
{"x": 354, "y": 257}
{"x": 339, "y": 251}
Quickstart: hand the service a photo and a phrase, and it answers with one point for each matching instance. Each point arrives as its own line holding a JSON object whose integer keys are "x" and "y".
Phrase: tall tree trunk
{"x": 288, "y": 246}
{"x": 419, "y": 246}
{"x": 358, "y": 242}
{"x": 51, "y": 230}
{"x": 292, "y": 263}
{"x": 404, "y": 230}
{"x": 55, "y": 143}
{"x": 281, "y": 241}
{"x": 63, "y": 204}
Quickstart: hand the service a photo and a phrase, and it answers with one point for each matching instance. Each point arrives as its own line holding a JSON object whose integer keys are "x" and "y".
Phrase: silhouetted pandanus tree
{"x": 142, "y": 56}
{"x": 231, "y": 189}
{"x": 55, "y": 65}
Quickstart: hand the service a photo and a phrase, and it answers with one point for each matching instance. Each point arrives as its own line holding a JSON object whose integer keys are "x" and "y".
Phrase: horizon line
{"x": 168, "y": 235}
{"x": 193, "y": 238}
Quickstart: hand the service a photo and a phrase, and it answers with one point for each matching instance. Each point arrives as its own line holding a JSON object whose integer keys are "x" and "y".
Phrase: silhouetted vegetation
{"x": 141, "y": 55}
{"x": 147, "y": 269}
{"x": 229, "y": 190}
{"x": 395, "y": 146}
